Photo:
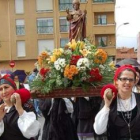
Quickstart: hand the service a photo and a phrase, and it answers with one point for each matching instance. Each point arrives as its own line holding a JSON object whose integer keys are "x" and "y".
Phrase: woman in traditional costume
{"x": 58, "y": 123}
{"x": 17, "y": 117}
{"x": 120, "y": 116}
{"x": 85, "y": 109}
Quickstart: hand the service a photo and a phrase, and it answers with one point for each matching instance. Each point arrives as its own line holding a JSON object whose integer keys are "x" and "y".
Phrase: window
{"x": 83, "y": 0}
{"x": 64, "y": 24}
{"x": 64, "y": 4}
{"x": 102, "y": 19}
{"x": 45, "y": 45}
{"x": 63, "y": 42}
{"x": 102, "y": 41}
{"x": 103, "y": 0}
{"x": 45, "y": 26}
{"x": 19, "y": 6}
{"x": 21, "y": 49}
{"x": 44, "y": 5}
{"x": 20, "y": 28}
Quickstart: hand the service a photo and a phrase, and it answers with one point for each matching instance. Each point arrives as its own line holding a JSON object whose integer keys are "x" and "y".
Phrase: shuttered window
{"x": 44, "y": 5}
{"x": 45, "y": 45}
{"x": 19, "y": 6}
{"x": 21, "y": 49}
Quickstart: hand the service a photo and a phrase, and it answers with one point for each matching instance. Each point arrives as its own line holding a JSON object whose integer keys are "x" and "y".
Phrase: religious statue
{"x": 77, "y": 20}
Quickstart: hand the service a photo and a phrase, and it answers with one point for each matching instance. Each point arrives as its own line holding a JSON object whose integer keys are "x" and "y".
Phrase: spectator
{"x": 136, "y": 88}
{"x": 36, "y": 101}
{"x": 18, "y": 83}
{"x": 33, "y": 75}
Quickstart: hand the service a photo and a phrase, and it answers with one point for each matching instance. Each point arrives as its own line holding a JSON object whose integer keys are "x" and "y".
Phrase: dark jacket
{"x": 58, "y": 123}
{"x": 118, "y": 128}
{"x": 84, "y": 114}
{"x": 11, "y": 129}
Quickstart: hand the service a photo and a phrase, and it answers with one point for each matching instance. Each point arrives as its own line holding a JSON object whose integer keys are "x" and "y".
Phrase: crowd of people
{"x": 80, "y": 118}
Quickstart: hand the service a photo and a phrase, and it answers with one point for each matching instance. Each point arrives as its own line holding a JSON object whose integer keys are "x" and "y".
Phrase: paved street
{"x": 41, "y": 120}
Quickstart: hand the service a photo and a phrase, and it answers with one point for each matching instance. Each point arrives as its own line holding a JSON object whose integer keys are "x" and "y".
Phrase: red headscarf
{"x": 6, "y": 79}
{"x": 117, "y": 73}
{"x": 122, "y": 68}
{"x": 24, "y": 93}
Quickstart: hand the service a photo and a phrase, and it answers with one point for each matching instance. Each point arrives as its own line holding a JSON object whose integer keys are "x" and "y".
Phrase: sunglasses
{"x": 124, "y": 79}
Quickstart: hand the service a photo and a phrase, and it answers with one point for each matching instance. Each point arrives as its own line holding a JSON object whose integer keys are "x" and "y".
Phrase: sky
{"x": 127, "y": 11}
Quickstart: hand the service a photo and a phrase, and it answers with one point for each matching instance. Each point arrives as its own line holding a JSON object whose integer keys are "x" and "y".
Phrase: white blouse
{"x": 68, "y": 103}
{"x": 101, "y": 119}
{"x": 27, "y": 124}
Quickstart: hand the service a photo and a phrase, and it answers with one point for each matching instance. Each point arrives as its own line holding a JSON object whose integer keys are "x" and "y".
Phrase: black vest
{"x": 118, "y": 128}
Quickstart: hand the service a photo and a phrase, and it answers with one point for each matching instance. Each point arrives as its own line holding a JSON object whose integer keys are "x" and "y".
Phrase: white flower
{"x": 102, "y": 67}
{"x": 83, "y": 62}
{"x": 86, "y": 62}
{"x": 62, "y": 62}
{"x": 79, "y": 62}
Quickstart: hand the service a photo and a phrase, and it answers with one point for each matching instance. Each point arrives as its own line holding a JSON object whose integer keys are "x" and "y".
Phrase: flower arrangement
{"x": 79, "y": 64}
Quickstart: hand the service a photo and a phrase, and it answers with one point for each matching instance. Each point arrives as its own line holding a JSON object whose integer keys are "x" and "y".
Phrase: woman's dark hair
{"x": 138, "y": 70}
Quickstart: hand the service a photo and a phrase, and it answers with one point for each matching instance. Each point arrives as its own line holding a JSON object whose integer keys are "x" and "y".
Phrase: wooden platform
{"x": 69, "y": 92}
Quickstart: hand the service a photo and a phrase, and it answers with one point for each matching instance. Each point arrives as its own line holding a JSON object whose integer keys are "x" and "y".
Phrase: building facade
{"x": 30, "y": 26}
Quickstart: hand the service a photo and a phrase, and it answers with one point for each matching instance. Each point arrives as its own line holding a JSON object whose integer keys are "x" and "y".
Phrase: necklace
{"x": 127, "y": 115}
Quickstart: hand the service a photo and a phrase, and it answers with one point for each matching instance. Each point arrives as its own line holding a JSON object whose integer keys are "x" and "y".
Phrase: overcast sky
{"x": 127, "y": 11}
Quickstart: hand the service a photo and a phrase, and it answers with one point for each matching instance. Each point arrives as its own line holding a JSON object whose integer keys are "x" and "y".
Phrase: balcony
{"x": 100, "y": 7}
{"x": 104, "y": 29}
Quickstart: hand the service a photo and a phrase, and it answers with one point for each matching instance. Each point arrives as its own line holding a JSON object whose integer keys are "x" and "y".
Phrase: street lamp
{"x": 126, "y": 23}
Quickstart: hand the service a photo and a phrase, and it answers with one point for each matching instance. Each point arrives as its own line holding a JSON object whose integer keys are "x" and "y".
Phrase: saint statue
{"x": 77, "y": 20}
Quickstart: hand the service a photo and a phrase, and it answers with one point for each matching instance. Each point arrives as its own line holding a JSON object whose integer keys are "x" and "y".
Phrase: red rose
{"x": 74, "y": 59}
{"x": 43, "y": 72}
{"x": 95, "y": 75}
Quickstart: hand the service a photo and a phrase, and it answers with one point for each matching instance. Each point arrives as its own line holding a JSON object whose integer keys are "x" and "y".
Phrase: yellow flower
{"x": 84, "y": 52}
{"x": 72, "y": 44}
{"x": 112, "y": 65}
{"x": 52, "y": 58}
{"x": 81, "y": 45}
{"x": 100, "y": 56}
{"x": 58, "y": 52}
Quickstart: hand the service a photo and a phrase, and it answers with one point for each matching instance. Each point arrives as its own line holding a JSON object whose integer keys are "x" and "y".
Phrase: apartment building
{"x": 27, "y": 27}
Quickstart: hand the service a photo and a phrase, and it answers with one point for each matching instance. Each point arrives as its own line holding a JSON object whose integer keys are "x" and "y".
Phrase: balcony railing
{"x": 45, "y": 30}
{"x": 97, "y": 1}
{"x": 64, "y": 6}
{"x": 64, "y": 28}
{"x": 20, "y": 30}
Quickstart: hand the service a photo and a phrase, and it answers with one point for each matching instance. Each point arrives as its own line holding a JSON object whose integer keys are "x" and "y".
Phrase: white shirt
{"x": 27, "y": 124}
{"x": 68, "y": 103}
{"x": 101, "y": 119}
